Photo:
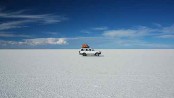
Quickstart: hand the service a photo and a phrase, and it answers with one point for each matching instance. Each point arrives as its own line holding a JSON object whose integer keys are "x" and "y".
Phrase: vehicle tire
{"x": 84, "y": 54}
{"x": 97, "y": 54}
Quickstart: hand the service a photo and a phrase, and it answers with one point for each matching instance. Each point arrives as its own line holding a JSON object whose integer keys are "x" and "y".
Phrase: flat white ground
{"x": 128, "y": 73}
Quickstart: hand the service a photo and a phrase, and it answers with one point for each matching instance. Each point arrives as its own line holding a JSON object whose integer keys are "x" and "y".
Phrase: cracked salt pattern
{"x": 134, "y": 73}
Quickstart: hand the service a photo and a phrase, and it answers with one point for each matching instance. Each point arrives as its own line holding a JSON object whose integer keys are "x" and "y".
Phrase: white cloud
{"x": 37, "y": 41}
{"x": 121, "y": 43}
{"x": 141, "y": 31}
{"x": 13, "y": 24}
{"x": 133, "y": 43}
{"x": 157, "y": 24}
{"x": 100, "y": 28}
{"x": 22, "y": 19}
{"x": 169, "y": 29}
{"x": 130, "y": 37}
{"x": 119, "y": 33}
{"x": 43, "y": 18}
{"x": 94, "y": 29}
{"x": 6, "y": 34}
{"x": 85, "y": 31}
{"x": 130, "y": 33}
{"x": 123, "y": 38}
{"x": 166, "y": 32}
{"x": 53, "y": 33}
{"x": 102, "y": 42}
{"x": 46, "y": 41}
{"x": 166, "y": 36}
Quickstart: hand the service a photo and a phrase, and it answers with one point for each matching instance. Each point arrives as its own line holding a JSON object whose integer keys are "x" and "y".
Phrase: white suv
{"x": 89, "y": 51}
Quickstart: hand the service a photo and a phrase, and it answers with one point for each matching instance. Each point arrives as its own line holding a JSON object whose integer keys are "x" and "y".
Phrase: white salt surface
{"x": 65, "y": 74}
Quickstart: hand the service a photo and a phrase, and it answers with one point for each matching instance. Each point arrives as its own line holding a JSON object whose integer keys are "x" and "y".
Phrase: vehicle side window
{"x": 81, "y": 49}
{"x": 89, "y": 49}
{"x": 86, "y": 49}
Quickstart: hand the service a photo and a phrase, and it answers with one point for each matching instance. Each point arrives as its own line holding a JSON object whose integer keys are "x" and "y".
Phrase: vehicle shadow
{"x": 93, "y": 56}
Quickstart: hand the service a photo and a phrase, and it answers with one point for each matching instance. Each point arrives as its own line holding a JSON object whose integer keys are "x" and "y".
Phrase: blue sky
{"x": 110, "y": 24}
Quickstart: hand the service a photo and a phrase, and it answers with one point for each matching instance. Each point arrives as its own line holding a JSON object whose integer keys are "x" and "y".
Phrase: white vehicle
{"x": 89, "y": 51}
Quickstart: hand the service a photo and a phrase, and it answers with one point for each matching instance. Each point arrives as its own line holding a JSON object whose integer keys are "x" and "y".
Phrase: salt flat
{"x": 119, "y": 73}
